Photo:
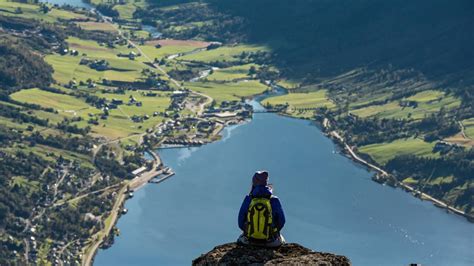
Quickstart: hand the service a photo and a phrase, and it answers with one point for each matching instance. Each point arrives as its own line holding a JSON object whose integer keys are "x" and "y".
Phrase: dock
{"x": 165, "y": 174}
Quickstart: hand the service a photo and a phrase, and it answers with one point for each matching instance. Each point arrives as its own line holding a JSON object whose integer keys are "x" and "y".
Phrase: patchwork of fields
{"x": 302, "y": 105}
{"x": 225, "y": 53}
{"x": 9, "y": 8}
{"x": 428, "y": 102}
{"x": 228, "y": 91}
{"x": 232, "y": 73}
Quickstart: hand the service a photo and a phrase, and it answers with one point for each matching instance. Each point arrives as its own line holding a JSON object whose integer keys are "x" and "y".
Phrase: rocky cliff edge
{"x": 288, "y": 254}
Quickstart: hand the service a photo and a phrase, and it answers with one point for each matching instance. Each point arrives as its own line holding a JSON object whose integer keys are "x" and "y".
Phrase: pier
{"x": 165, "y": 174}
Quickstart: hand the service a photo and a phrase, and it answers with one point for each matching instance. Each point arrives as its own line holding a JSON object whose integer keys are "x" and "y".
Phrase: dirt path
{"x": 462, "y": 130}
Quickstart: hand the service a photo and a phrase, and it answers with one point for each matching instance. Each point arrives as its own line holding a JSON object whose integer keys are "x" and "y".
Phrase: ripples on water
{"x": 330, "y": 202}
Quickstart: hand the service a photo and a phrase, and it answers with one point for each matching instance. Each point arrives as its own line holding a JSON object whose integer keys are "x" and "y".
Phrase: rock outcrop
{"x": 288, "y": 254}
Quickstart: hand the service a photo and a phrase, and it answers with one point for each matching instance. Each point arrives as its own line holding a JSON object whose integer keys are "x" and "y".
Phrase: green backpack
{"x": 260, "y": 220}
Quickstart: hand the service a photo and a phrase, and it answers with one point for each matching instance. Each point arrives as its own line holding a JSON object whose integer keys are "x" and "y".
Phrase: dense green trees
{"x": 20, "y": 67}
{"x": 458, "y": 191}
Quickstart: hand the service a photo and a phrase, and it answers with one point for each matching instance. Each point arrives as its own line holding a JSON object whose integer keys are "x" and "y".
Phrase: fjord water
{"x": 75, "y": 3}
{"x": 331, "y": 204}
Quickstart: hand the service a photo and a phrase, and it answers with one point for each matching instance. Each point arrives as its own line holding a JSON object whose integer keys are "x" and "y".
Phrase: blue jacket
{"x": 277, "y": 211}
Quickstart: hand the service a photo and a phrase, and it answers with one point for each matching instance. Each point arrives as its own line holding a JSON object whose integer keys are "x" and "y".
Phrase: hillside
{"x": 394, "y": 78}
{"x": 82, "y": 97}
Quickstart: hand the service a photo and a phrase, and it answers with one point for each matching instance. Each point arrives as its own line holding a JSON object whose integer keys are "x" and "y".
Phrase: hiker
{"x": 261, "y": 216}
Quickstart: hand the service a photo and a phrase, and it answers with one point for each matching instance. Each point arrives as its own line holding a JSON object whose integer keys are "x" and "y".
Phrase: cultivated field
{"x": 228, "y": 91}
{"x": 383, "y": 152}
{"x": 100, "y": 26}
{"x": 429, "y": 102}
{"x": 67, "y": 67}
{"x": 469, "y": 127}
{"x": 289, "y": 84}
{"x": 170, "y": 47}
{"x": 225, "y": 53}
{"x": 117, "y": 125}
{"x": 60, "y": 102}
{"x": 9, "y": 8}
{"x": 232, "y": 73}
{"x": 302, "y": 104}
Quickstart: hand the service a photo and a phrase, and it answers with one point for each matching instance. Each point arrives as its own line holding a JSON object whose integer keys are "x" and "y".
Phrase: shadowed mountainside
{"x": 329, "y": 37}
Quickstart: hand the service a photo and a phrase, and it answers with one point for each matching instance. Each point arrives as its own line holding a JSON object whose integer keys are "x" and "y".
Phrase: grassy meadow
{"x": 225, "y": 53}
{"x": 31, "y": 11}
{"x": 302, "y": 105}
{"x": 67, "y": 67}
{"x": 469, "y": 127}
{"x": 231, "y": 73}
{"x": 228, "y": 91}
{"x": 384, "y": 152}
{"x": 429, "y": 102}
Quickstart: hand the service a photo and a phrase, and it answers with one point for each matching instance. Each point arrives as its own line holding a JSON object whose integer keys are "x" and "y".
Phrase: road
{"x": 99, "y": 237}
{"x": 138, "y": 182}
{"x": 157, "y": 66}
{"x": 117, "y": 208}
{"x": 87, "y": 194}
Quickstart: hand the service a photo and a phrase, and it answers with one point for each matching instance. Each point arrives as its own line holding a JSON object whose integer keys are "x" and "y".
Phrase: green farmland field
{"x": 8, "y": 8}
{"x": 60, "y": 102}
{"x": 469, "y": 127}
{"x": 383, "y": 152}
{"x": 224, "y": 53}
{"x": 428, "y": 102}
{"x": 302, "y": 100}
{"x": 289, "y": 84}
{"x": 299, "y": 102}
{"x": 228, "y": 91}
{"x": 67, "y": 67}
{"x": 232, "y": 73}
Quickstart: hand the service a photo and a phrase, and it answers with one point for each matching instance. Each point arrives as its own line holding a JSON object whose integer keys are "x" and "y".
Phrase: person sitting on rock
{"x": 261, "y": 216}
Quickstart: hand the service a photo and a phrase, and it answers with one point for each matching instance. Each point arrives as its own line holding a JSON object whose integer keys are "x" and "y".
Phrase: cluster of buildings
{"x": 66, "y": 51}
{"x": 177, "y": 100}
{"x": 230, "y": 110}
{"x": 131, "y": 55}
{"x": 99, "y": 65}
{"x": 444, "y": 147}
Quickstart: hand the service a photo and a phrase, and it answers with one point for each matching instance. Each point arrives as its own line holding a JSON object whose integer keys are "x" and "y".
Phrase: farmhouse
{"x": 117, "y": 102}
{"x": 99, "y": 65}
{"x": 444, "y": 147}
{"x": 151, "y": 94}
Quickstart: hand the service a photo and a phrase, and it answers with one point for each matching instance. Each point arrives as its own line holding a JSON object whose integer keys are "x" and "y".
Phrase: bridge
{"x": 265, "y": 111}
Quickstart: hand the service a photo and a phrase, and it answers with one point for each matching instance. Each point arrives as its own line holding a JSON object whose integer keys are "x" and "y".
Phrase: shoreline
{"x": 144, "y": 179}
{"x": 384, "y": 176}
{"x": 139, "y": 182}
{"x": 90, "y": 251}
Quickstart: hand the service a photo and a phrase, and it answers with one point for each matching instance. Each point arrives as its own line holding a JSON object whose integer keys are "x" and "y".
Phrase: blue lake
{"x": 331, "y": 204}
